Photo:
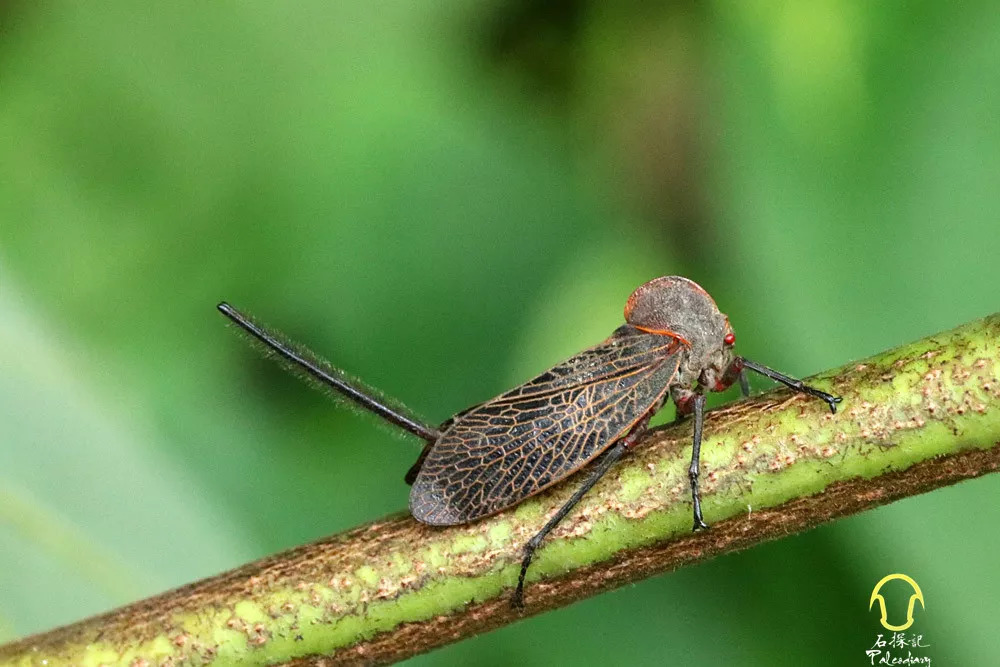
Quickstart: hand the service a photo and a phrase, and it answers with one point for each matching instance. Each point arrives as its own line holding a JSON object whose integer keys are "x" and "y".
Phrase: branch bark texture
{"x": 913, "y": 419}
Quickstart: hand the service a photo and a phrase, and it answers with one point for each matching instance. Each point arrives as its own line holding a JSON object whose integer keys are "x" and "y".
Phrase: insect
{"x": 591, "y": 408}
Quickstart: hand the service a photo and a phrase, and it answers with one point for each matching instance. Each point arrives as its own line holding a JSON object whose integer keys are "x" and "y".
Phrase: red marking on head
{"x": 730, "y": 338}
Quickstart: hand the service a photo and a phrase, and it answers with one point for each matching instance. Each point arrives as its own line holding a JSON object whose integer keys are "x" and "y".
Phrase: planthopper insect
{"x": 592, "y": 407}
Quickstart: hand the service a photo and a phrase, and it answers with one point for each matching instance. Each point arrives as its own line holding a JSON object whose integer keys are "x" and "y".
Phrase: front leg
{"x": 790, "y": 382}
{"x": 744, "y": 383}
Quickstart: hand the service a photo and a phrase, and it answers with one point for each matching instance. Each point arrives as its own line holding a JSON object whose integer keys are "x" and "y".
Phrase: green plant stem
{"x": 913, "y": 419}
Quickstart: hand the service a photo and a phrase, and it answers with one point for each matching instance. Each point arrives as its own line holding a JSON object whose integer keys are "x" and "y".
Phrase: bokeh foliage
{"x": 445, "y": 198}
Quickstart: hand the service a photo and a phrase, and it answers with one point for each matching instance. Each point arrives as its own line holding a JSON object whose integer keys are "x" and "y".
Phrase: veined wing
{"x": 521, "y": 442}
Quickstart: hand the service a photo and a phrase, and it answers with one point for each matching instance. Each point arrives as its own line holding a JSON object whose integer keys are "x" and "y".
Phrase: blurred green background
{"x": 446, "y": 198}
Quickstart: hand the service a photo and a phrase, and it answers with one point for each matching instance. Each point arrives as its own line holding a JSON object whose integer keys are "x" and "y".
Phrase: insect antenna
{"x": 307, "y": 364}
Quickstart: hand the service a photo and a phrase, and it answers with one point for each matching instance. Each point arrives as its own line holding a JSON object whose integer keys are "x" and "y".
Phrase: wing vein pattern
{"x": 521, "y": 442}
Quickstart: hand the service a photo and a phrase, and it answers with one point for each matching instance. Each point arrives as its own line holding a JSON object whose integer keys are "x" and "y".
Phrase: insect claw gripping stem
{"x": 792, "y": 383}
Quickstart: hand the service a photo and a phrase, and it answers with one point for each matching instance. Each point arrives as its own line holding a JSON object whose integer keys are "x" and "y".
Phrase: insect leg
{"x": 301, "y": 360}
{"x": 744, "y": 383}
{"x": 792, "y": 383}
{"x": 602, "y": 467}
{"x": 693, "y": 469}
{"x": 411, "y": 474}
{"x": 608, "y": 460}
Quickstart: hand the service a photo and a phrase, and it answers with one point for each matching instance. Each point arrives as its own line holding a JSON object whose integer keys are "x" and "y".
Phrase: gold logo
{"x": 917, "y": 595}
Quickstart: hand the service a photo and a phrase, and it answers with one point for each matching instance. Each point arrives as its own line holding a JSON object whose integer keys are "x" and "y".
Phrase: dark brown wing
{"x": 499, "y": 453}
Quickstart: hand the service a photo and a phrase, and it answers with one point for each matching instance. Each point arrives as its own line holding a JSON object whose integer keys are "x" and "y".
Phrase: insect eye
{"x": 730, "y": 338}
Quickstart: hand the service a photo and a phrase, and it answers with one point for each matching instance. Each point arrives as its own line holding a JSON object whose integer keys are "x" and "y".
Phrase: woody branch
{"x": 913, "y": 419}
